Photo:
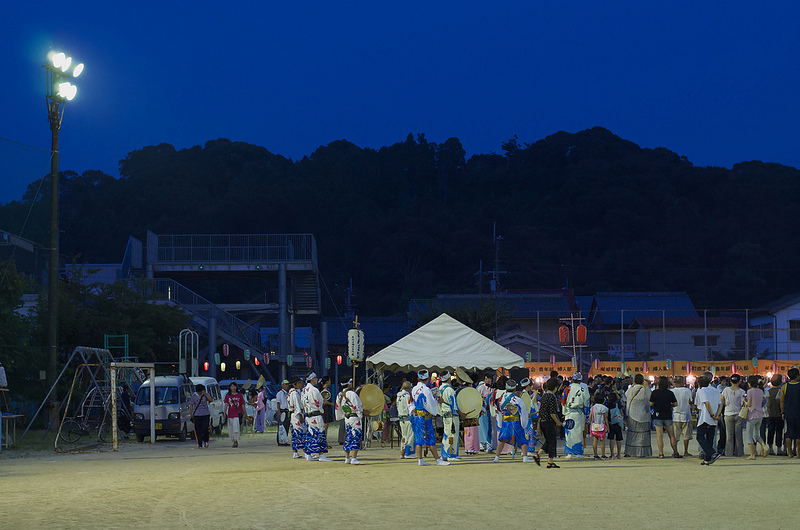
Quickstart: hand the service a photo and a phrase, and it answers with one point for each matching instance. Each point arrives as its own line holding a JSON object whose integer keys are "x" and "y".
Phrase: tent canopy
{"x": 444, "y": 343}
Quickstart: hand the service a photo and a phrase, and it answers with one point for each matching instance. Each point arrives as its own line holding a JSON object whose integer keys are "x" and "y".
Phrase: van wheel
{"x": 140, "y": 438}
{"x": 182, "y": 435}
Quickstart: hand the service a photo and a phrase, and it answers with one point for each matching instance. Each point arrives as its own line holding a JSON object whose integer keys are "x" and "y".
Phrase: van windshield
{"x": 165, "y": 395}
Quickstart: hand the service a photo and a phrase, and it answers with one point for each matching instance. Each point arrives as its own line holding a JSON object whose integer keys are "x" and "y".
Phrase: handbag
{"x": 745, "y": 410}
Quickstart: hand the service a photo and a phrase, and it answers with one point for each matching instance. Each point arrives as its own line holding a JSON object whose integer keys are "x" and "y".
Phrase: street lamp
{"x": 60, "y": 72}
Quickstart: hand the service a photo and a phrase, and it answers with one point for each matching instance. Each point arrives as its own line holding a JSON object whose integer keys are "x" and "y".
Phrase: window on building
{"x": 703, "y": 340}
{"x": 794, "y": 330}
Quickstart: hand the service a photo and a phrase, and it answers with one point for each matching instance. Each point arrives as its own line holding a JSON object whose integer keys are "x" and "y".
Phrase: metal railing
{"x": 227, "y": 248}
{"x": 199, "y": 306}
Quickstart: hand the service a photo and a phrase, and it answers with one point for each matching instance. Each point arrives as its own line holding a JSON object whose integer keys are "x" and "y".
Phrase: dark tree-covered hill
{"x": 415, "y": 218}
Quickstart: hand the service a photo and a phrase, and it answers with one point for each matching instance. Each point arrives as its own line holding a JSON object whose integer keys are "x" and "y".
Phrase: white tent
{"x": 444, "y": 343}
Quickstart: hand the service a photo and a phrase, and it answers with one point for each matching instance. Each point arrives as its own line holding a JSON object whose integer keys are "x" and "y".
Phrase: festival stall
{"x": 444, "y": 343}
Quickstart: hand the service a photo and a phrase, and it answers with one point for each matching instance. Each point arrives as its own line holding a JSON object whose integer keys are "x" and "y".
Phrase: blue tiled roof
{"x": 636, "y": 305}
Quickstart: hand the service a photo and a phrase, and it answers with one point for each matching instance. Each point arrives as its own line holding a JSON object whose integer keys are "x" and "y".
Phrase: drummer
{"x": 405, "y": 407}
{"x": 424, "y": 411}
{"x": 448, "y": 409}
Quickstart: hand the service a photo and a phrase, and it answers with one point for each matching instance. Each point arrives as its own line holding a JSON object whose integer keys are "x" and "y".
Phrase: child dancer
{"x": 598, "y": 425}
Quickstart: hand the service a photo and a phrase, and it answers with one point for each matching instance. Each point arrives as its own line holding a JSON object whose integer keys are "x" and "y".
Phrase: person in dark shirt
{"x": 548, "y": 420}
{"x": 663, "y": 400}
{"x": 790, "y": 408}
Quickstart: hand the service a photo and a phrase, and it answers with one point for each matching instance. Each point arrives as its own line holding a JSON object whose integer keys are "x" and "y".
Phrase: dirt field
{"x": 259, "y": 485}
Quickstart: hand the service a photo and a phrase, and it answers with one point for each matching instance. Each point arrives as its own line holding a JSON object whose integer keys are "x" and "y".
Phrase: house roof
{"x": 781, "y": 303}
{"x": 613, "y": 307}
{"x": 688, "y": 322}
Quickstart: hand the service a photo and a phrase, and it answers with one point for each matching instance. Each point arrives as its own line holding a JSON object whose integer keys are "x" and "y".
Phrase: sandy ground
{"x": 259, "y": 485}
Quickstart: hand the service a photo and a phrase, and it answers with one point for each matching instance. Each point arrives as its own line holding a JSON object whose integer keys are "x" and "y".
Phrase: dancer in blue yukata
{"x": 533, "y": 414}
{"x": 296, "y": 417}
{"x": 576, "y": 404}
{"x": 511, "y": 430}
{"x": 424, "y": 411}
{"x": 448, "y": 410}
{"x": 316, "y": 443}
{"x": 349, "y": 408}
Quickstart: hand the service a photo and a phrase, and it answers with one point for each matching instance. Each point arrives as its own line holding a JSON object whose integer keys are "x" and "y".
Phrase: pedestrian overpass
{"x": 291, "y": 258}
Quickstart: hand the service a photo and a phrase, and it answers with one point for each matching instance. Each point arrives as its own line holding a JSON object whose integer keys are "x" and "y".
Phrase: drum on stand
{"x": 469, "y": 403}
{"x": 373, "y": 402}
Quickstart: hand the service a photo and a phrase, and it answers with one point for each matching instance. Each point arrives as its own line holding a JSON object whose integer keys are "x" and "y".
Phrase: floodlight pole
{"x": 54, "y": 115}
{"x": 58, "y": 91}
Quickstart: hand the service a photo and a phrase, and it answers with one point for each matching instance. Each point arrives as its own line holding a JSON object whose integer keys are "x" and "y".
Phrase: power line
{"x": 27, "y": 145}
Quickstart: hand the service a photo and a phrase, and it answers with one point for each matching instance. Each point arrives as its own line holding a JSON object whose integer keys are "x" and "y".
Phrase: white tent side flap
{"x": 444, "y": 343}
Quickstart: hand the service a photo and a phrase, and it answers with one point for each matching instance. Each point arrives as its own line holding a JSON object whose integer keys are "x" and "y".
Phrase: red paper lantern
{"x": 580, "y": 334}
{"x": 688, "y": 368}
{"x": 596, "y": 364}
{"x": 563, "y": 334}
{"x": 734, "y": 368}
{"x": 645, "y": 367}
{"x": 205, "y": 366}
{"x": 552, "y": 360}
{"x": 338, "y": 359}
{"x": 309, "y": 361}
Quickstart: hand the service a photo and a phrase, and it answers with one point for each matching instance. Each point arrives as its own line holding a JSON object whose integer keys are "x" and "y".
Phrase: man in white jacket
{"x": 349, "y": 408}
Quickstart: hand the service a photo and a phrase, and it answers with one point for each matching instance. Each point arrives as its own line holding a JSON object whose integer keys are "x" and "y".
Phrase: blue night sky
{"x": 714, "y": 81}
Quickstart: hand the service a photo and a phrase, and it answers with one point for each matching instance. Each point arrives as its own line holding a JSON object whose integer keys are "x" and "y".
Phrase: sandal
{"x": 537, "y": 459}
{"x": 661, "y": 456}
{"x": 553, "y": 465}
{"x": 677, "y": 455}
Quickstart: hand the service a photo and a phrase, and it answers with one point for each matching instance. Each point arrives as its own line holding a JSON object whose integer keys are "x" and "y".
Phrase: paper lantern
{"x": 552, "y": 360}
{"x": 563, "y": 334}
{"x": 309, "y": 361}
{"x": 355, "y": 345}
{"x": 580, "y": 334}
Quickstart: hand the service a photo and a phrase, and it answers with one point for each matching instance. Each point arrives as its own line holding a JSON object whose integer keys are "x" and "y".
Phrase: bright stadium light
{"x": 59, "y": 90}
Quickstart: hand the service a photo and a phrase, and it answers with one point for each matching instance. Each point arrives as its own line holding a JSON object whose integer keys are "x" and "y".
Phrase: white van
{"x": 216, "y": 406}
{"x": 173, "y": 393}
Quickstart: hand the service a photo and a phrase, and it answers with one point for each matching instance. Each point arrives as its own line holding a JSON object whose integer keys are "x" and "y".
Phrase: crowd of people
{"x": 734, "y": 416}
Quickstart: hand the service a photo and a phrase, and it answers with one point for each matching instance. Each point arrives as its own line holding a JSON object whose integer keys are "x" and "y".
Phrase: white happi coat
{"x": 349, "y": 396}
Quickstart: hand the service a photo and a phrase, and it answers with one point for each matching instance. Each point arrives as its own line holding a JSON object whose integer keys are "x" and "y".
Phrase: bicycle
{"x": 94, "y": 419}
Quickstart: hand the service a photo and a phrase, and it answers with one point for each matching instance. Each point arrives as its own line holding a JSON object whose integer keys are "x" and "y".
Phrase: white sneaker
{"x": 496, "y": 459}
{"x": 295, "y": 455}
{"x": 569, "y": 456}
{"x": 454, "y": 459}
{"x": 526, "y": 459}
{"x": 441, "y": 462}
{"x": 323, "y": 458}
{"x": 355, "y": 462}
{"x": 311, "y": 458}
{"x": 346, "y": 460}
{"x": 423, "y": 463}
